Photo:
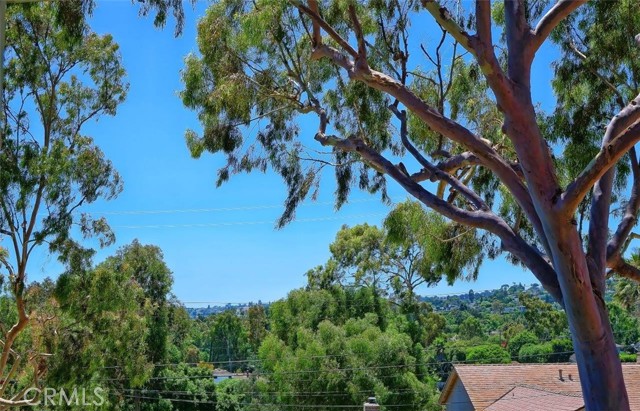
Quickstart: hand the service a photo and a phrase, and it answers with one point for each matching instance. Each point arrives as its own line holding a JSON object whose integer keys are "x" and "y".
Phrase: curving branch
{"x": 444, "y": 19}
{"x": 319, "y": 22}
{"x": 485, "y": 52}
{"x": 551, "y": 20}
{"x": 435, "y": 172}
{"x": 619, "y": 241}
{"x": 622, "y": 133}
{"x": 624, "y": 269}
{"x": 448, "y": 165}
{"x": 479, "y": 45}
{"x": 361, "y": 58}
{"x": 485, "y": 220}
{"x": 439, "y": 123}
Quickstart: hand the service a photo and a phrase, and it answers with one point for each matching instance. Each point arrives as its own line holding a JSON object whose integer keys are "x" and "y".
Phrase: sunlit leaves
{"x": 447, "y": 249}
{"x": 597, "y": 76}
{"x": 54, "y": 85}
{"x": 254, "y": 75}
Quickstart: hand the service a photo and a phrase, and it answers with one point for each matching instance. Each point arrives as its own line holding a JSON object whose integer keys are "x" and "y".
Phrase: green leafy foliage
{"x": 626, "y": 327}
{"x": 597, "y": 75}
{"x": 520, "y": 340}
{"x": 625, "y": 357}
{"x": 535, "y": 353}
{"x": 56, "y": 166}
{"x": 355, "y": 357}
{"x": 541, "y": 318}
{"x": 488, "y": 354}
{"x": 58, "y": 76}
{"x": 413, "y": 247}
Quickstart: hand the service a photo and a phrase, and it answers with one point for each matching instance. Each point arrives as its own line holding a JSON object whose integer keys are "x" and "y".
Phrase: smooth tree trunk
{"x": 573, "y": 276}
{"x": 599, "y": 365}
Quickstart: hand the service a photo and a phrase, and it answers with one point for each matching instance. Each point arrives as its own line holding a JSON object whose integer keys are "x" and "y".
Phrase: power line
{"x": 222, "y": 209}
{"x": 234, "y": 223}
{"x": 325, "y": 356}
{"x": 341, "y": 406}
{"x": 363, "y": 368}
{"x": 268, "y": 405}
{"x": 309, "y": 394}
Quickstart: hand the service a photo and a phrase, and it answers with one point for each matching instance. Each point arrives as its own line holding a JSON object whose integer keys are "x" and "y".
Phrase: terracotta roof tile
{"x": 531, "y": 399}
{"x": 487, "y": 383}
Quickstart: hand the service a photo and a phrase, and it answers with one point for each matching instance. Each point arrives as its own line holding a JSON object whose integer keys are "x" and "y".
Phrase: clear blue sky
{"x": 225, "y": 261}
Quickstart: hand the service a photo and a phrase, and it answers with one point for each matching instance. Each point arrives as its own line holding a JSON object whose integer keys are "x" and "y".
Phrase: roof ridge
{"x": 517, "y": 364}
{"x": 538, "y": 388}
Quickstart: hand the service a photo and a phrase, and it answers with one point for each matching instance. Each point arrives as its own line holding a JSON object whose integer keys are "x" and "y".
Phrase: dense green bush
{"x": 520, "y": 340}
{"x": 531, "y": 353}
{"x": 626, "y": 357}
{"x": 562, "y": 350}
{"x": 488, "y": 354}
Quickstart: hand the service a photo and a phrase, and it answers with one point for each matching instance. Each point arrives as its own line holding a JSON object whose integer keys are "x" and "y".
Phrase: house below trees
{"x": 524, "y": 387}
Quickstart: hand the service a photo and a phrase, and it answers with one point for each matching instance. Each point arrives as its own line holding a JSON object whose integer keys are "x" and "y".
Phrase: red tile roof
{"x": 485, "y": 384}
{"x": 532, "y": 399}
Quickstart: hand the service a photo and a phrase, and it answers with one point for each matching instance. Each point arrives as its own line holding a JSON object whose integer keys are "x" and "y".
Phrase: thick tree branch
{"x": 437, "y": 122}
{"x": 448, "y": 165}
{"x": 361, "y": 59}
{"x": 624, "y": 269}
{"x": 456, "y": 162}
{"x": 320, "y": 22}
{"x": 517, "y": 33}
{"x": 485, "y": 52}
{"x": 483, "y": 22}
{"x": 485, "y": 220}
{"x": 616, "y": 245}
{"x": 317, "y": 34}
{"x": 447, "y": 127}
{"x": 438, "y": 174}
{"x": 444, "y": 19}
{"x": 442, "y": 125}
{"x": 550, "y": 21}
{"x": 599, "y": 230}
{"x": 622, "y": 133}
{"x": 479, "y": 45}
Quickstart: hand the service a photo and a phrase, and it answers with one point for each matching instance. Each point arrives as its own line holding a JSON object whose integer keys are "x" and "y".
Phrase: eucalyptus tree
{"x": 452, "y": 121}
{"x": 54, "y": 84}
{"x": 412, "y": 248}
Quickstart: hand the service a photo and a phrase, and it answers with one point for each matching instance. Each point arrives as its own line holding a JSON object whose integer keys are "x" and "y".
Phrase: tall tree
{"x": 54, "y": 85}
{"x": 468, "y": 124}
{"x": 412, "y": 248}
{"x": 144, "y": 265}
{"x": 101, "y": 331}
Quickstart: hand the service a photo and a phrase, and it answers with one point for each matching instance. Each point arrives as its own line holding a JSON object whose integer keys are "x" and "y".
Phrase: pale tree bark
{"x": 574, "y": 276}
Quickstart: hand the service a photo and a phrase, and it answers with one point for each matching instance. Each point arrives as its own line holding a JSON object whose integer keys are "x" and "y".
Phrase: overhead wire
{"x": 364, "y": 368}
{"x": 223, "y": 209}
{"x": 236, "y": 223}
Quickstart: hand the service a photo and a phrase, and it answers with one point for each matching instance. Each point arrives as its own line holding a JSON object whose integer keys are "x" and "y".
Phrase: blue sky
{"x": 236, "y": 255}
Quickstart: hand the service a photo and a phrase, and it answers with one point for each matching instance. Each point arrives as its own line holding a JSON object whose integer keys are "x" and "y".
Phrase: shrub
{"x": 488, "y": 354}
{"x": 531, "y": 353}
{"x": 520, "y": 340}
{"x": 562, "y": 350}
{"x": 625, "y": 357}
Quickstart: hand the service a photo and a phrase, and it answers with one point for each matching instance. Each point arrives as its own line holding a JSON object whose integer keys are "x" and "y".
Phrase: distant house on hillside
{"x": 524, "y": 387}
